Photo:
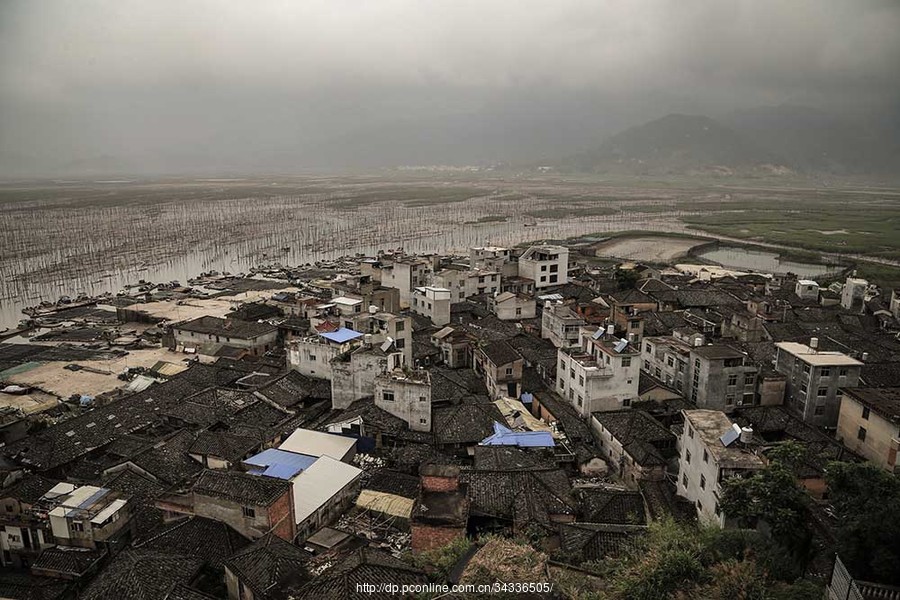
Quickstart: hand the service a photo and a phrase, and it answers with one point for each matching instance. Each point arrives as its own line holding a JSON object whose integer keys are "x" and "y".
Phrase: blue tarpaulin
{"x": 280, "y": 464}
{"x": 504, "y": 436}
{"x": 341, "y": 335}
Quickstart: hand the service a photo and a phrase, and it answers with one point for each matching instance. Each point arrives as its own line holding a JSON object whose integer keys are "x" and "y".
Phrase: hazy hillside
{"x": 815, "y": 141}
{"x": 676, "y": 144}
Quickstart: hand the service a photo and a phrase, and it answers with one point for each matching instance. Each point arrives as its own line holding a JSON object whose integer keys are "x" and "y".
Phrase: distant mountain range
{"x": 771, "y": 140}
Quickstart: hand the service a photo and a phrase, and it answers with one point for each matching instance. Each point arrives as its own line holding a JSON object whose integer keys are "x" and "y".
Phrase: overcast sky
{"x": 227, "y": 78}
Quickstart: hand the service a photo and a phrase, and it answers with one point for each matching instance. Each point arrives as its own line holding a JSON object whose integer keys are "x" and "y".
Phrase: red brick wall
{"x": 281, "y": 517}
{"x": 439, "y": 484}
{"x": 427, "y": 537}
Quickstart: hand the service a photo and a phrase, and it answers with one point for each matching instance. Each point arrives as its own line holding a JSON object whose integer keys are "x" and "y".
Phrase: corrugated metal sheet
{"x": 316, "y": 443}
{"x": 318, "y": 484}
{"x": 281, "y": 464}
{"x": 387, "y": 504}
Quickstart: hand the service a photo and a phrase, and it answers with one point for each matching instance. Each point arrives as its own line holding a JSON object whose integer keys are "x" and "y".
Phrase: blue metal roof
{"x": 280, "y": 464}
{"x": 504, "y": 436}
{"x": 341, "y": 335}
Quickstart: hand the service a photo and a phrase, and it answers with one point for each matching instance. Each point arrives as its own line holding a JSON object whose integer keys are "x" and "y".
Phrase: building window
{"x": 423, "y": 399}
{"x": 400, "y": 343}
{"x": 861, "y": 434}
{"x": 508, "y": 371}
{"x": 77, "y": 526}
{"x": 554, "y": 268}
{"x": 705, "y": 456}
{"x": 423, "y": 421}
{"x": 647, "y": 348}
{"x": 626, "y": 402}
{"x": 822, "y": 392}
{"x": 749, "y": 379}
{"x": 687, "y": 456}
{"x": 626, "y": 361}
{"x": 842, "y": 372}
{"x": 387, "y": 395}
{"x": 865, "y": 416}
{"x": 518, "y": 312}
{"x": 554, "y": 279}
{"x": 580, "y": 400}
{"x": 249, "y": 512}
{"x": 703, "y": 482}
{"x": 690, "y": 432}
{"x": 825, "y": 372}
{"x": 806, "y": 369}
{"x": 729, "y": 399}
{"x": 571, "y": 373}
{"x": 732, "y": 380}
{"x": 581, "y": 380}
{"x": 819, "y": 411}
{"x": 670, "y": 361}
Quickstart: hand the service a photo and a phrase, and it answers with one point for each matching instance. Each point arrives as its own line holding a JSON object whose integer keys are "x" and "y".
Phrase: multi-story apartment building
{"x": 312, "y": 355}
{"x": 667, "y": 358}
{"x": 546, "y": 265}
{"x": 711, "y": 452}
{"x": 869, "y": 424}
{"x": 464, "y": 283}
{"x": 814, "y": 380}
{"x": 560, "y": 324}
{"x": 601, "y": 373}
{"x": 379, "y": 326}
{"x": 406, "y": 394}
{"x": 405, "y": 274}
{"x": 432, "y": 302}
{"x": 492, "y": 258}
{"x": 721, "y": 377}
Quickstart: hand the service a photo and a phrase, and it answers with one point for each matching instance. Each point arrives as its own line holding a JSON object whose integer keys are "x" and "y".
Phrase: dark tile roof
{"x": 632, "y": 296}
{"x": 881, "y": 375}
{"x": 467, "y": 422}
{"x": 142, "y": 575}
{"x": 450, "y": 384}
{"x": 261, "y": 414}
{"x": 294, "y": 388}
{"x": 662, "y": 501}
{"x": 269, "y": 566}
{"x": 393, "y": 482}
{"x": 572, "y": 424}
{"x": 717, "y": 352}
{"x": 519, "y": 496}
{"x": 29, "y": 489}
{"x": 500, "y": 353}
{"x": 224, "y": 445}
{"x": 235, "y": 328}
{"x": 211, "y": 406}
{"x": 600, "y": 505}
{"x": 68, "y": 561}
{"x": 630, "y": 425}
{"x": 184, "y": 592}
{"x": 170, "y": 461}
{"x": 241, "y": 487}
{"x": 25, "y": 586}
{"x": 595, "y": 541}
{"x": 364, "y": 565}
{"x": 135, "y": 484}
{"x": 198, "y": 537}
{"x": 511, "y": 458}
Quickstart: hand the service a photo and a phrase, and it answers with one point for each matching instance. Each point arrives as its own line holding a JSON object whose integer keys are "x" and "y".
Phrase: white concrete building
{"x": 806, "y": 289}
{"x": 465, "y": 283}
{"x": 406, "y": 275}
{"x": 560, "y": 325}
{"x": 493, "y": 258}
{"x": 512, "y": 307}
{"x": 853, "y": 294}
{"x": 602, "y": 373}
{"x": 546, "y": 265}
{"x": 432, "y": 302}
{"x": 706, "y": 462}
{"x": 814, "y": 380}
{"x": 406, "y": 394}
{"x": 312, "y": 356}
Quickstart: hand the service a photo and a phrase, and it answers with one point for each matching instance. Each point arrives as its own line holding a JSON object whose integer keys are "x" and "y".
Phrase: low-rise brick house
{"x": 253, "y": 505}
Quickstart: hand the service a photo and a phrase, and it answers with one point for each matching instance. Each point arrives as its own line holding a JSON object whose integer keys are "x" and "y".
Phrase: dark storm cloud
{"x": 229, "y": 78}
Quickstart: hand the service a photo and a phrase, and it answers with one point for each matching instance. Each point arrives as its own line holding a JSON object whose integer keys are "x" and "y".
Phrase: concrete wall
{"x": 231, "y": 513}
{"x": 708, "y": 384}
{"x": 691, "y": 474}
{"x": 411, "y": 399}
{"x": 209, "y": 344}
{"x": 515, "y": 308}
{"x": 877, "y": 447}
{"x": 433, "y": 303}
{"x": 312, "y": 358}
{"x": 355, "y": 379}
{"x": 560, "y": 326}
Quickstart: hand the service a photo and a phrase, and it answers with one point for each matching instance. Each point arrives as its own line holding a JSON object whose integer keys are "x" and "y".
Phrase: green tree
{"x": 772, "y": 496}
{"x": 866, "y": 500}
